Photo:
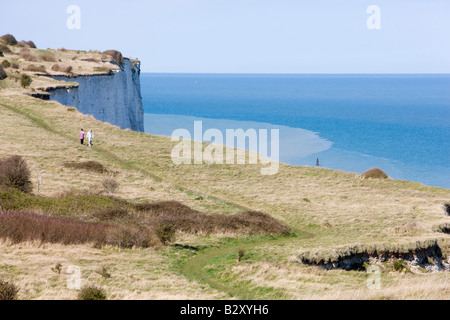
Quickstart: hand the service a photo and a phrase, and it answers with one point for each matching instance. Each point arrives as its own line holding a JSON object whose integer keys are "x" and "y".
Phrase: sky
{"x": 246, "y": 36}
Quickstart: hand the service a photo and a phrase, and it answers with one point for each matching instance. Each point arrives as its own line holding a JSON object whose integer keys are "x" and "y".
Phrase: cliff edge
{"x": 114, "y": 98}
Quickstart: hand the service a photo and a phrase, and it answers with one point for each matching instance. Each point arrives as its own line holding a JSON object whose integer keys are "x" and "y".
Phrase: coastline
{"x": 299, "y": 147}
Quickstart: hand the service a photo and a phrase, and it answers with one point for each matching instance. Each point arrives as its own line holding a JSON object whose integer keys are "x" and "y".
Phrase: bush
{"x": 129, "y": 237}
{"x": 188, "y": 220}
{"x": 3, "y": 74}
{"x": 8, "y": 291}
{"x": 25, "y": 81}
{"x": 91, "y": 60}
{"x": 447, "y": 208}
{"x": 6, "y": 64}
{"x": 22, "y": 44}
{"x": 110, "y": 185}
{"x": 34, "y": 68}
{"x": 27, "y": 55}
{"x": 92, "y": 166}
{"x": 14, "y": 66}
{"x": 1, "y": 53}
{"x": 116, "y": 56}
{"x": 91, "y": 293}
{"x": 60, "y": 68}
{"x": 14, "y": 173}
{"x": 9, "y": 39}
{"x": 166, "y": 232}
{"x": 66, "y": 69}
{"x": 22, "y": 227}
{"x": 5, "y": 48}
{"x": 374, "y": 173}
{"x": 31, "y": 44}
{"x": 48, "y": 57}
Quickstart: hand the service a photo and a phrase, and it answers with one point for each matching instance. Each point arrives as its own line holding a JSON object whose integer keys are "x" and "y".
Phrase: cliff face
{"x": 115, "y": 98}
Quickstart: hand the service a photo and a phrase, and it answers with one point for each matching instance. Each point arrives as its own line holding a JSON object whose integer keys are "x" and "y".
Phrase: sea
{"x": 398, "y": 123}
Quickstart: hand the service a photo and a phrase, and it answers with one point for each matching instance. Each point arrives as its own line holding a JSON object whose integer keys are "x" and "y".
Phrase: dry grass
{"x": 309, "y": 283}
{"x": 135, "y": 274}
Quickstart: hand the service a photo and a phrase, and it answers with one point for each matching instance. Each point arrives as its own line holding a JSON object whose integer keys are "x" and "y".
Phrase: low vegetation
{"x": 14, "y": 173}
{"x": 116, "y": 56}
{"x": 91, "y": 293}
{"x": 8, "y": 290}
{"x": 3, "y": 74}
{"x": 27, "y": 55}
{"x": 6, "y": 64}
{"x": 9, "y": 39}
{"x": 47, "y": 57}
{"x": 187, "y": 220}
{"x": 92, "y": 166}
{"x": 33, "y": 68}
{"x": 25, "y": 81}
{"x": 110, "y": 185}
{"x": 374, "y": 173}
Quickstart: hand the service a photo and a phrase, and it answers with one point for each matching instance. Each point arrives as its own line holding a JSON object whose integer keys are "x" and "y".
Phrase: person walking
{"x": 317, "y": 163}
{"x": 90, "y": 137}
{"x": 81, "y": 136}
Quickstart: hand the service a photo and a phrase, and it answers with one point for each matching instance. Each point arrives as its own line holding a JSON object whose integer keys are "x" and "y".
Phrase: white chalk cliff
{"x": 114, "y": 98}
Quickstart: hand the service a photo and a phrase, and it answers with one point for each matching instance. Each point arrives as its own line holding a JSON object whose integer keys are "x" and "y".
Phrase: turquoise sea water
{"x": 399, "y": 123}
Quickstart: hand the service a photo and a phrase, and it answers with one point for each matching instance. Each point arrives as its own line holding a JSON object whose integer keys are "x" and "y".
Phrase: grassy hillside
{"x": 324, "y": 210}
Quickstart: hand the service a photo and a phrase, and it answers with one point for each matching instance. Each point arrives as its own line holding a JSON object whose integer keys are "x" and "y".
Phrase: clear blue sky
{"x": 246, "y": 36}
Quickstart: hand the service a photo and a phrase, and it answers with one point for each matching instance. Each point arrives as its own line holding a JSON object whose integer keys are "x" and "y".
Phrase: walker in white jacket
{"x": 90, "y": 136}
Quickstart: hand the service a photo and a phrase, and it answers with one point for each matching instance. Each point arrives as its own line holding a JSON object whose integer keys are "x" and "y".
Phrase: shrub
{"x": 62, "y": 68}
{"x": 91, "y": 60}
{"x": 25, "y": 81}
{"x": 110, "y": 185}
{"x": 374, "y": 173}
{"x": 14, "y": 66}
{"x": 400, "y": 266}
{"x": 8, "y": 291}
{"x": 66, "y": 69}
{"x": 188, "y": 220}
{"x": 6, "y": 64}
{"x": 48, "y": 57}
{"x": 22, "y": 44}
{"x": 9, "y": 39}
{"x": 5, "y": 48}
{"x": 241, "y": 254}
{"x": 34, "y": 68}
{"x": 31, "y": 44}
{"x": 129, "y": 237}
{"x": 1, "y": 53}
{"x": 92, "y": 166}
{"x": 21, "y": 227}
{"x": 91, "y": 293}
{"x": 116, "y": 56}
{"x": 166, "y": 232}
{"x": 103, "y": 271}
{"x": 3, "y": 74}
{"x": 27, "y": 55}
{"x": 447, "y": 208}
{"x": 14, "y": 173}
{"x": 104, "y": 70}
